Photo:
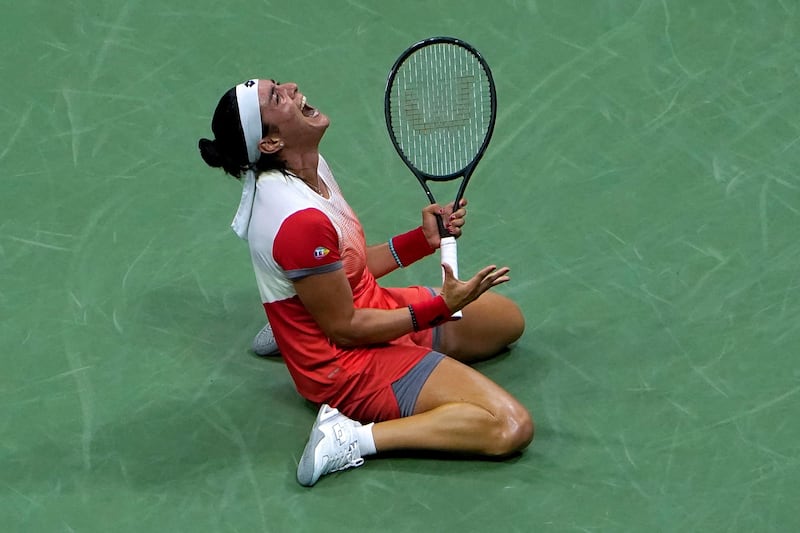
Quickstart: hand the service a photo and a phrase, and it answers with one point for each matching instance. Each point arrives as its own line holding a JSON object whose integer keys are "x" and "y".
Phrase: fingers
{"x": 433, "y": 209}
{"x": 447, "y": 211}
{"x": 448, "y": 272}
{"x": 455, "y": 214}
{"x": 496, "y": 278}
{"x": 458, "y": 294}
{"x": 490, "y": 277}
{"x": 455, "y": 230}
{"x": 455, "y": 218}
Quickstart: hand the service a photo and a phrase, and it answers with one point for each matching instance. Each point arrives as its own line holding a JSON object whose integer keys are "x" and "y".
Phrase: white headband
{"x": 250, "y": 118}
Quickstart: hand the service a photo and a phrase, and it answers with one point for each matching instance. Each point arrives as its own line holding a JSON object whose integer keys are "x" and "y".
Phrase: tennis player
{"x": 386, "y": 366}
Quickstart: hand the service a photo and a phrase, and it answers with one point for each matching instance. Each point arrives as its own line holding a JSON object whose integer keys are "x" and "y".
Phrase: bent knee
{"x": 508, "y": 321}
{"x": 513, "y": 432}
{"x": 515, "y": 324}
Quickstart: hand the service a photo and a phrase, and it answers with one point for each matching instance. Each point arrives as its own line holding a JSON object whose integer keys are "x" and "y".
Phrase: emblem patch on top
{"x": 321, "y": 252}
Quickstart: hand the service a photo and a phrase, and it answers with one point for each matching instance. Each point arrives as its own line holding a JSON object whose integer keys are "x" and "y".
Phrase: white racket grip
{"x": 449, "y": 251}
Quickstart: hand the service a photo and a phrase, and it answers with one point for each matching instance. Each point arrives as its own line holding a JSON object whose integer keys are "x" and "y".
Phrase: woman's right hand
{"x": 453, "y": 220}
{"x": 458, "y": 294}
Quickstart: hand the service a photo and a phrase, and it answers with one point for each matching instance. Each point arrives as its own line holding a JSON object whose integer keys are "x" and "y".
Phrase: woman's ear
{"x": 270, "y": 145}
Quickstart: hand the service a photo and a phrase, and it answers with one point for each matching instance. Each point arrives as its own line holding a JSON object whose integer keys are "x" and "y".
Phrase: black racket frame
{"x": 466, "y": 172}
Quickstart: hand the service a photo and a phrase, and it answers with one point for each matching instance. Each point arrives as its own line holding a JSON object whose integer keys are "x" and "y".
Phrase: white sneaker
{"x": 264, "y": 342}
{"x": 332, "y": 446}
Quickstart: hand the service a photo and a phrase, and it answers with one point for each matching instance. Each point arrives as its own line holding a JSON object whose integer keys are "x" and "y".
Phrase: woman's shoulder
{"x": 281, "y": 192}
{"x": 324, "y": 170}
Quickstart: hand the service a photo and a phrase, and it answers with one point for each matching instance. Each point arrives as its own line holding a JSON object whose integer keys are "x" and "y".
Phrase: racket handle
{"x": 449, "y": 251}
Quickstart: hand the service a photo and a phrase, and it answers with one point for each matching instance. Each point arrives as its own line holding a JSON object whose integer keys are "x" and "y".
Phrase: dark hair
{"x": 228, "y": 150}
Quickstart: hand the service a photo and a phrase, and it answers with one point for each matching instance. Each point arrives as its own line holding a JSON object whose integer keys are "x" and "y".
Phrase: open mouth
{"x": 307, "y": 110}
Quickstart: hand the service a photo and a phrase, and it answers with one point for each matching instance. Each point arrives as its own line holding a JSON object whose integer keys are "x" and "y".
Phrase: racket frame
{"x": 466, "y": 171}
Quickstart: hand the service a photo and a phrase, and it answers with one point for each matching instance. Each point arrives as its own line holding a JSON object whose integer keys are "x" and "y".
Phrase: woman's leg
{"x": 459, "y": 410}
{"x": 490, "y": 324}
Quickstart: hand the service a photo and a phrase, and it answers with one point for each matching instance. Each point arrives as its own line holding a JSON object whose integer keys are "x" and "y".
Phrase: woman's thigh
{"x": 489, "y": 325}
{"x": 454, "y": 382}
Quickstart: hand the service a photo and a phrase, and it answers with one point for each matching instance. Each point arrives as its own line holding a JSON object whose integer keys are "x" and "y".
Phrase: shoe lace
{"x": 349, "y": 457}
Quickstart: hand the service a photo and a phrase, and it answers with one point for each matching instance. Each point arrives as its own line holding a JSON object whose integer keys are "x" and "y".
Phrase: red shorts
{"x": 368, "y": 396}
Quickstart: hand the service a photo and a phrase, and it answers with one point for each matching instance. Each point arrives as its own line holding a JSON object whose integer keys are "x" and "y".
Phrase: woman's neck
{"x": 304, "y": 166}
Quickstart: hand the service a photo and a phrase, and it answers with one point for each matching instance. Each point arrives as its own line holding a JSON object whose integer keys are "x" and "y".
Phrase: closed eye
{"x": 275, "y": 96}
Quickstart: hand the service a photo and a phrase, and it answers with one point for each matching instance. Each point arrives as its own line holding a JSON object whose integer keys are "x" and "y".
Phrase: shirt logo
{"x": 321, "y": 252}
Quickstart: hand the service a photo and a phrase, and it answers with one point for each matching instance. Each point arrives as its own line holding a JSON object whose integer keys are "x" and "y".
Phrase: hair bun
{"x": 209, "y": 151}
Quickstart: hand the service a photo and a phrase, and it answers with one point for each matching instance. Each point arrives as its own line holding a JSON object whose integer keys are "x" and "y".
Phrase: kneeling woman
{"x": 386, "y": 365}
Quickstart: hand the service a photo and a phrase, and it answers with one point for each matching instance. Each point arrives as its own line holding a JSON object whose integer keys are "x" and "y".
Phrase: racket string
{"x": 441, "y": 108}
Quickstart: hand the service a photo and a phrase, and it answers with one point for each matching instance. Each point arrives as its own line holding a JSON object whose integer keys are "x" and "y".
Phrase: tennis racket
{"x": 440, "y": 106}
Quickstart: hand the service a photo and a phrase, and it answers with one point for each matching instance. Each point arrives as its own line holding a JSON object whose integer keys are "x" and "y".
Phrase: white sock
{"x": 366, "y": 443}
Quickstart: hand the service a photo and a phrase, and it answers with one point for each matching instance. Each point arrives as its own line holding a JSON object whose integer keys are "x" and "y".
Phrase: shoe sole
{"x": 305, "y": 468}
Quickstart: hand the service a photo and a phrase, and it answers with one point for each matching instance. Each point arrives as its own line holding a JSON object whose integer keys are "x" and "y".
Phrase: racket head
{"x": 440, "y": 106}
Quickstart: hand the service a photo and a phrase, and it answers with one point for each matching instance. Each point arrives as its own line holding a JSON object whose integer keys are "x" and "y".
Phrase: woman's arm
{"x": 329, "y": 299}
{"x": 380, "y": 260}
{"x": 408, "y": 247}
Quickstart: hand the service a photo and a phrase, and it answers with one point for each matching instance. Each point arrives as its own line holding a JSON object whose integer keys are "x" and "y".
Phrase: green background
{"x": 642, "y": 184}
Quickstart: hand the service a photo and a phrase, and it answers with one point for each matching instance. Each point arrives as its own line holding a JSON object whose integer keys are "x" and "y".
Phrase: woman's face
{"x": 285, "y": 110}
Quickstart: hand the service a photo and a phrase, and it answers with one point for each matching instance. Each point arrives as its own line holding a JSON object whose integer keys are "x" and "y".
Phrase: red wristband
{"x": 409, "y": 247}
{"x": 430, "y": 313}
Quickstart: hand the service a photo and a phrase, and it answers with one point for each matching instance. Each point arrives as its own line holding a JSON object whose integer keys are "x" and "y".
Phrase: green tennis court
{"x": 642, "y": 183}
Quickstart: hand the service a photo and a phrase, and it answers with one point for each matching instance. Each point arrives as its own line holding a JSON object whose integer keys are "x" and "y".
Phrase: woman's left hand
{"x": 453, "y": 221}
